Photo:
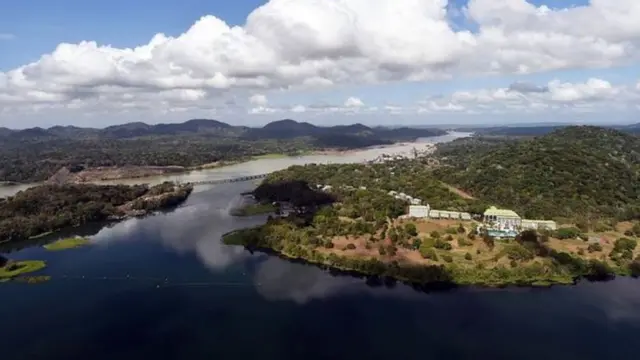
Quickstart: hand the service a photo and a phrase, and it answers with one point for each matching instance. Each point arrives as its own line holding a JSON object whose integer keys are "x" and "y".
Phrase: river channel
{"x": 164, "y": 287}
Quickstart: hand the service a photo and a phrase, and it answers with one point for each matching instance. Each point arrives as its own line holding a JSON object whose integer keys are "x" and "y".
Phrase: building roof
{"x": 493, "y": 211}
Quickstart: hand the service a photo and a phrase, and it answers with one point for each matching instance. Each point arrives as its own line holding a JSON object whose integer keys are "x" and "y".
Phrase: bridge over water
{"x": 231, "y": 180}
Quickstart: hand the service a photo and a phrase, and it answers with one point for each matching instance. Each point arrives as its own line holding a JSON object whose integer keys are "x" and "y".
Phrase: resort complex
{"x": 499, "y": 223}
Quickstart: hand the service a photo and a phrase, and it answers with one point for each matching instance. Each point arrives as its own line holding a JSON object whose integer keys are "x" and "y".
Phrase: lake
{"x": 164, "y": 287}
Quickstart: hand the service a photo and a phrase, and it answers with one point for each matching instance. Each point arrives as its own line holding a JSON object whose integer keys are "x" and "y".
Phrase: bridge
{"x": 231, "y": 180}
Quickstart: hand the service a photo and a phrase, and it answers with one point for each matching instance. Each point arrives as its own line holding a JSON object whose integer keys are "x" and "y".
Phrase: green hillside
{"x": 578, "y": 171}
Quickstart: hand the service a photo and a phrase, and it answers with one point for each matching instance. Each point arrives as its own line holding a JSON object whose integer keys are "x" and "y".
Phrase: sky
{"x": 389, "y": 62}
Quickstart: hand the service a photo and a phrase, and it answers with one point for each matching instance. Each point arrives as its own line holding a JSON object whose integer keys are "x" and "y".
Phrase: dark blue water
{"x": 165, "y": 288}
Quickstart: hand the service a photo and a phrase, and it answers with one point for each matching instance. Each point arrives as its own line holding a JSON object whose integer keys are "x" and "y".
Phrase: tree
{"x": 468, "y": 256}
{"x": 461, "y": 229}
{"x": 411, "y": 229}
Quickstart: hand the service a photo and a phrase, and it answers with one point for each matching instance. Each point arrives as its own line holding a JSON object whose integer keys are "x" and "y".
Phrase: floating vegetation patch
{"x": 32, "y": 279}
{"x": 15, "y": 268}
{"x": 68, "y": 243}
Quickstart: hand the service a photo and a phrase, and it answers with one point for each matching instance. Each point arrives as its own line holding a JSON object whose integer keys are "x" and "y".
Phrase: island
{"x": 536, "y": 211}
{"x": 11, "y": 269}
{"x": 67, "y": 243}
{"x": 137, "y": 150}
{"x": 48, "y": 208}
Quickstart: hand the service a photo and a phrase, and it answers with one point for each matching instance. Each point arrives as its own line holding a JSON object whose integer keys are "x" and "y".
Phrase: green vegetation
{"x": 68, "y": 243}
{"x": 13, "y": 269}
{"x": 36, "y": 154}
{"x": 586, "y": 177}
{"x": 578, "y": 171}
{"x": 48, "y": 208}
{"x": 254, "y": 209}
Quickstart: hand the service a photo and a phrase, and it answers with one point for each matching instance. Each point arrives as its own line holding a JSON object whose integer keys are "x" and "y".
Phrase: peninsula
{"x": 534, "y": 211}
{"x": 47, "y": 208}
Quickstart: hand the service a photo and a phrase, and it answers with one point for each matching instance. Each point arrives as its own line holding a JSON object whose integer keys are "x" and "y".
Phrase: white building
{"x": 538, "y": 224}
{"x": 419, "y": 211}
{"x": 502, "y": 217}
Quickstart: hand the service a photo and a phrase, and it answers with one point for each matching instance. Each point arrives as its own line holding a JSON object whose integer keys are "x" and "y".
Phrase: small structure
{"x": 419, "y": 211}
{"x": 538, "y": 224}
{"x": 503, "y": 217}
{"x": 416, "y": 201}
{"x": 465, "y": 216}
{"x": 434, "y": 214}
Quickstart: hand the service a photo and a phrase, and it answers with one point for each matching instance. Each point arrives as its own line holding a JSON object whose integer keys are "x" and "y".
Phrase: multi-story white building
{"x": 503, "y": 218}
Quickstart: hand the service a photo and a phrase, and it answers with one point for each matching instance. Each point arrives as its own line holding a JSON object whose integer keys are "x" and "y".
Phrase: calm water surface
{"x": 164, "y": 287}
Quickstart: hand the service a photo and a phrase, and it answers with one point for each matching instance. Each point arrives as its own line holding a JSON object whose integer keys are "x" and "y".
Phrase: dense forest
{"x": 47, "y": 208}
{"x": 584, "y": 171}
{"x": 36, "y": 154}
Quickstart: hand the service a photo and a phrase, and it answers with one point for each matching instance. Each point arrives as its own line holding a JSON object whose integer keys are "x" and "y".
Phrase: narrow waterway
{"x": 165, "y": 287}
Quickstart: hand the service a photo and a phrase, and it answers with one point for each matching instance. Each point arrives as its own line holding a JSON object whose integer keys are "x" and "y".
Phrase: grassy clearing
{"x": 68, "y": 243}
{"x": 16, "y": 268}
{"x": 254, "y": 209}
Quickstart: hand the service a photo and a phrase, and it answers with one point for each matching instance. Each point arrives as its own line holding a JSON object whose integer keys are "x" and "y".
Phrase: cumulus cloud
{"x": 259, "y": 100}
{"x": 591, "y": 95}
{"x": 292, "y": 44}
{"x": 353, "y": 102}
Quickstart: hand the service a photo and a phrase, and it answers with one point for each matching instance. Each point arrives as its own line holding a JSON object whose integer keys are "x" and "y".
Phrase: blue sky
{"x": 32, "y": 29}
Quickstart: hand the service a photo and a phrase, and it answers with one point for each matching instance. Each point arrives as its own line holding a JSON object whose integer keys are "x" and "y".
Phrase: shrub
{"x": 368, "y": 246}
{"x": 329, "y": 245}
{"x": 581, "y": 251}
{"x": 448, "y": 237}
{"x": 513, "y": 263}
{"x": 435, "y": 234}
{"x": 594, "y": 247}
{"x": 464, "y": 242}
{"x": 623, "y": 244}
{"x": 451, "y": 231}
{"x": 461, "y": 229}
{"x": 392, "y": 250}
{"x": 382, "y": 251}
{"x": 468, "y": 256}
{"x": 429, "y": 253}
{"x": 439, "y": 244}
{"x": 518, "y": 252}
{"x": 447, "y": 258}
{"x": 567, "y": 233}
{"x": 351, "y": 246}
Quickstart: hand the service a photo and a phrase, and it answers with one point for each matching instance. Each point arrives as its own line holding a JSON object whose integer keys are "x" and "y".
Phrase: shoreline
{"x": 151, "y": 203}
{"x": 411, "y": 275}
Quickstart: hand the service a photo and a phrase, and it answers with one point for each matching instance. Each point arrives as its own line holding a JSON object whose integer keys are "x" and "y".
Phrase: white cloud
{"x": 259, "y": 100}
{"x": 7, "y": 36}
{"x": 289, "y": 44}
{"x": 594, "y": 94}
{"x": 353, "y": 102}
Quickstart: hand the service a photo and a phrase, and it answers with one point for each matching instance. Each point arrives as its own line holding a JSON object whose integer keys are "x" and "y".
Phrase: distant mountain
{"x": 574, "y": 171}
{"x": 348, "y": 136}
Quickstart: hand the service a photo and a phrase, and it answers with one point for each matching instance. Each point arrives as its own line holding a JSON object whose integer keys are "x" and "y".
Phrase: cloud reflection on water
{"x": 198, "y": 227}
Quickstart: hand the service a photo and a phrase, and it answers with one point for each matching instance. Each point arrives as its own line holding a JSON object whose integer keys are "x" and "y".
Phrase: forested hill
{"x": 578, "y": 171}
{"x": 36, "y": 154}
{"x": 281, "y": 129}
